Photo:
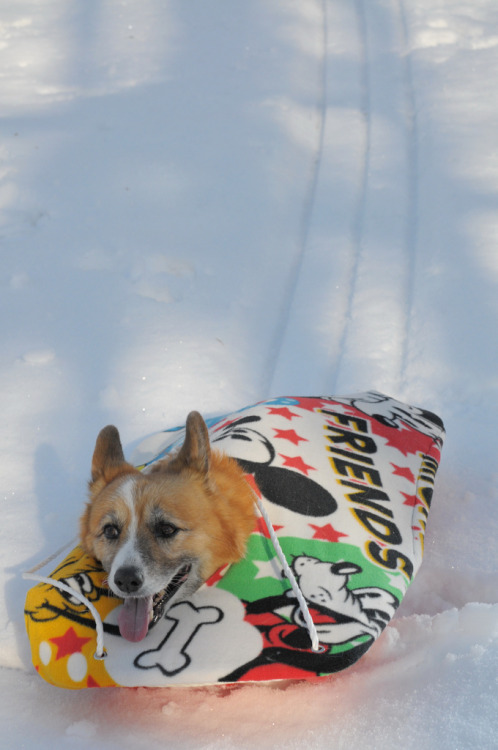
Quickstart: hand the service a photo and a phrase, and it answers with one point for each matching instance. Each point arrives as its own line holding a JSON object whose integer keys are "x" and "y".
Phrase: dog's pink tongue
{"x": 133, "y": 618}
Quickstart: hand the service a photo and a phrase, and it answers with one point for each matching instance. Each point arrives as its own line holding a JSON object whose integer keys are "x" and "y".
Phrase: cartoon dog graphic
{"x": 325, "y": 585}
{"x": 341, "y": 615}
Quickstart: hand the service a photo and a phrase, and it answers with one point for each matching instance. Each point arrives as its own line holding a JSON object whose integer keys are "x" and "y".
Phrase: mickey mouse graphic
{"x": 282, "y": 486}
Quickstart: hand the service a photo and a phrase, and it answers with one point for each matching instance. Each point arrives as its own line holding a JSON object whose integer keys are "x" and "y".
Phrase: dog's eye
{"x": 111, "y": 531}
{"x": 165, "y": 530}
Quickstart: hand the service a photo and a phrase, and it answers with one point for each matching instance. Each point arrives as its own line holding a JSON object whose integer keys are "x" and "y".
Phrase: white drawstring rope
{"x": 315, "y": 644}
{"x": 30, "y": 575}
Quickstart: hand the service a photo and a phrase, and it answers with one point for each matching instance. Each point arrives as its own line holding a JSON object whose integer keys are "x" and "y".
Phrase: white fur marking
{"x": 128, "y": 553}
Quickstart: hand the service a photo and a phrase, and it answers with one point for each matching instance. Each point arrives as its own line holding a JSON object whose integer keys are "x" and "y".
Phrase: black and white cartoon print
{"x": 391, "y": 413}
{"x": 357, "y": 612}
{"x": 282, "y": 486}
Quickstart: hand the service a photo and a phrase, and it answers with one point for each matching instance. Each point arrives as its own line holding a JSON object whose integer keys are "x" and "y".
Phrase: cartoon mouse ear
{"x": 294, "y": 491}
{"x": 195, "y": 452}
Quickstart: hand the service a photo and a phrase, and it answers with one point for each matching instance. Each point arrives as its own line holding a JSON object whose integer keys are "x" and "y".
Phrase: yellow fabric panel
{"x": 61, "y": 630}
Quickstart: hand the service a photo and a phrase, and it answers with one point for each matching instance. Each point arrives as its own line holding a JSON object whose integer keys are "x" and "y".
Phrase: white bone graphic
{"x": 171, "y": 656}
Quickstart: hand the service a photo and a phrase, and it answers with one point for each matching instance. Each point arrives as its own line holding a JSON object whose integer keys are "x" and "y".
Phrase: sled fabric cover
{"x": 347, "y": 483}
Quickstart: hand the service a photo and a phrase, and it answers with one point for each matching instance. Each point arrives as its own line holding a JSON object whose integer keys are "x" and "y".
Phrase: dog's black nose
{"x": 128, "y": 579}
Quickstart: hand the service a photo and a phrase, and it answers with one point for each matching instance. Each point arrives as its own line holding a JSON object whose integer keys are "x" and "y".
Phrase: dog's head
{"x": 160, "y": 535}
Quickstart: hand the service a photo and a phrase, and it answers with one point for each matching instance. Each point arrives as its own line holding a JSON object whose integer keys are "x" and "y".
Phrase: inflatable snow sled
{"x": 346, "y": 484}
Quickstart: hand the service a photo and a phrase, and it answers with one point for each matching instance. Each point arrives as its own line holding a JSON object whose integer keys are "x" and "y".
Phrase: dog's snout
{"x": 128, "y": 579}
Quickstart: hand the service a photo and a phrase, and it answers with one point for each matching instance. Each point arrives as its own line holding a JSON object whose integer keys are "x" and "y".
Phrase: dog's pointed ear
{"x": 195, "y": 452}
{"x": 108, "y": 460}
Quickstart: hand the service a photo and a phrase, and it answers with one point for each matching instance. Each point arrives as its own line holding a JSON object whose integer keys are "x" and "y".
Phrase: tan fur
{"x": 203, "y": 493}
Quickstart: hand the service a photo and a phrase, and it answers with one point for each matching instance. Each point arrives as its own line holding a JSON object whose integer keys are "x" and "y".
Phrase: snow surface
{"x": 204, "y": 204}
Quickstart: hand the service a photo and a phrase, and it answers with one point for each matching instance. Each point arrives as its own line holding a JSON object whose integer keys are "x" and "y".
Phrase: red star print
{"x": 290, "y": 435}
{"x": 403, "y": 471}
{"x": 222, "y": 425}
{"x": 252, "y": 483}
{"x": 282, "y": 412}
{"x": 90, "y": 682}
{"x": 405, "y": 439}
{"x": 262, "y": 529}
{"x": 327, "y": 533}
{"x": 311, "y": 404}
{"x": 297, "y": 463}
{"x": 217, "y": 575}
{"x": 410, "y": 499}
{"x": 69, "y": 643}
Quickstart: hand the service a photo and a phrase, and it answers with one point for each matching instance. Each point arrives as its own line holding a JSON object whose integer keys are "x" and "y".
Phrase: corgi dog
{"x": 160, "y": 535}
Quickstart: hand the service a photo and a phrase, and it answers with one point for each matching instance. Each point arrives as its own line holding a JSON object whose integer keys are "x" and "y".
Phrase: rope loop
{"x": 31, "y": 575}
{"x": 303, "y": 606}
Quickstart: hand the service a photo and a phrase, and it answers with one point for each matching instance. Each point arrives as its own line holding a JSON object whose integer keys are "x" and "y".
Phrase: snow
{"x": 206, "y": 204}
